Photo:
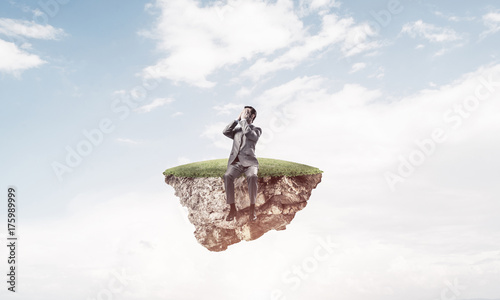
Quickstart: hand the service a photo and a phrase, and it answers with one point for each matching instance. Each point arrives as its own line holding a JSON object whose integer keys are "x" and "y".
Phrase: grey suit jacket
{"x": 244, "y": 140}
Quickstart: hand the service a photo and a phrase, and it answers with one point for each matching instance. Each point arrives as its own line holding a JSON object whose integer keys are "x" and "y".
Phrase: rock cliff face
{"x": 278, "y": 199}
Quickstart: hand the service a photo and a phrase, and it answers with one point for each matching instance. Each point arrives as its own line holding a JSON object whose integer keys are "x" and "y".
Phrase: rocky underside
{"x": 278, "y": 199}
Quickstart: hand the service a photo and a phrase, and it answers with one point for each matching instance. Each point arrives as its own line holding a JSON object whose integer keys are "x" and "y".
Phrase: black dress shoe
{"x": 231, "y": 215}
{"x": 232, "y": 212}
{"x": 251, "y": 214}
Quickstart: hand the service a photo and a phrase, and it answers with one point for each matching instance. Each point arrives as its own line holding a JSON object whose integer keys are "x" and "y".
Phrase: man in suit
{"x": 242, "y": 158}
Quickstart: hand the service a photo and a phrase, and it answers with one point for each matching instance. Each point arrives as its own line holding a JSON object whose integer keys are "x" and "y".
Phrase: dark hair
{"x": 254, "y": 112}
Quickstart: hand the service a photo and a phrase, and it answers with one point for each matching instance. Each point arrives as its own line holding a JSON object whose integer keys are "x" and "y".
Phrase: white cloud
{"x": 453, "y": 18}
{"x": 37, "y": 12}
{"x": 199, "y": 40}
{"x": 14, "y": 60}
{"x": 354, "y": 134}
{"x": 243, "y": 92}
{"x": 307, "y": 7}
{"x": 277, "y": 96}
{"x": 379, "y": 74}
{"x": 445, "y": 50}
{"x": 158, "y": 102}
{"x": 177, "y": 113}
{"x": 214, "y": 133}
{"x": 110, "y": 220}
{"x": 352, "y": 39}
{"x": 120, "y": 93}
{"x": 228, "y": 108}
{"x": 358, "y": 40}
{"x": 357, "y": 67}
{"x": 363, "y": 133}
{"x": 103, "y": 236}
{"x": 430, "y": 32}
{"x": 492, "y": 21}
{"x": 441, "y": 52}
{"x": 29, "y": 29}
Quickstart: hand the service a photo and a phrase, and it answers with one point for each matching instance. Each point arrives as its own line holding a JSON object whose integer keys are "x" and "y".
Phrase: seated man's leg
{"x": 233, "y": 171}
{"x": 251, "y": 174}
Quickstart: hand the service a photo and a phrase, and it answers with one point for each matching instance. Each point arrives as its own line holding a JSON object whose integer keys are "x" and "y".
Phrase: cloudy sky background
{"x": 397, "y": 102}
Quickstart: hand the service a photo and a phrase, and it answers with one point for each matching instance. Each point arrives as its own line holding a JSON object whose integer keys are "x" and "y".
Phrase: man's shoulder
{"x": 256, "y": 127}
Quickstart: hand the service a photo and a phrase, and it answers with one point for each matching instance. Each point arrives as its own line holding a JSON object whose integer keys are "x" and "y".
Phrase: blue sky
{"x": 397, "y": 101}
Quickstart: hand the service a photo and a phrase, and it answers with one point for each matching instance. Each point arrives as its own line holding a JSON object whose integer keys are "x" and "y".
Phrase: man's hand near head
{"x": 245, "y": 114}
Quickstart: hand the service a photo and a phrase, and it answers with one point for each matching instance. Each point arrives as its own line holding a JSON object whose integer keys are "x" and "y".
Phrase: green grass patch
{"x": 217, "y": 168}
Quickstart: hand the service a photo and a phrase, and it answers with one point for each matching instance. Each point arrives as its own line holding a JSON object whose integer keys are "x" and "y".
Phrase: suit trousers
{"x": 234, "y": 171}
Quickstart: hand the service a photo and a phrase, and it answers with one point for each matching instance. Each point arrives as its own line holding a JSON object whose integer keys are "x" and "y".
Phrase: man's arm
{"x": 251, "y": 134}
{"x": 229, "y": 130}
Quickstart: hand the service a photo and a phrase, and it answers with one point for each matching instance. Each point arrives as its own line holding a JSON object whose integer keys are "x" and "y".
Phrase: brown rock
{"x": 278, "y": 199}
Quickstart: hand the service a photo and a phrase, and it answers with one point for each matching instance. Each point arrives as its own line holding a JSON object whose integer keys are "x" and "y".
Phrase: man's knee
{"x": 252, "y": 178}
{"x": 228, "y": 176}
